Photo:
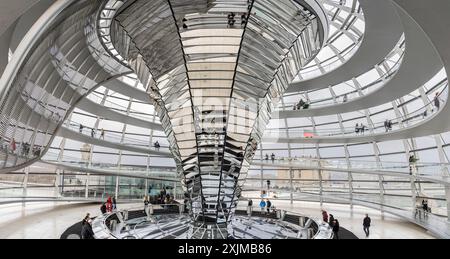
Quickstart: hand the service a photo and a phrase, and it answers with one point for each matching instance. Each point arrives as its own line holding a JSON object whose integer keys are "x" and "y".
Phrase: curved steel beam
{"x": 124, "y": 89}
{"x": 381, "y": 35}
{"x": 434, "y": 179}
{"x": 26, "y": 21}
{"x": 122, "y": 173}
{"x": 420, "y": 63}
{"x": 10, "y": 11}
{"x": 70, "y": 134}
{"x": 94, "y": 108}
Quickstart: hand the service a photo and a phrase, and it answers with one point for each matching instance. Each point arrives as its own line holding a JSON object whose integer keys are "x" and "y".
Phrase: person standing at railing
{"x": 262, "y": 205}
{"x": 146, "y": 202}
{"x": 272, "y": 157}
{"x": 425, "y": 207}
{"x": 109, "y": 205}
{"x": 412, "y": 163}
{"x": 86, "y": 228}
{"x": 268, "y": 206}
{"x": 157, "y": 145}
{"x": 102, "y": 134}
{"x": 92, "y": 133}
{"x": 13, "y": 145}
{"x": 362, "y": 129}
{"x": 114, "y": 203}
{"x": 103, "y": 208}
{"x": 81, "y": 128}
{"x": 437, "y": 102}
{"x": 366, "y": 225}
{"x": 250, "y": 207}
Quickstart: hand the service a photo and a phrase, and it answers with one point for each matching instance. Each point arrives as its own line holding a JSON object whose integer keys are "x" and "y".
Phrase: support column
{"x": 86, "y": 191}
{"x": 25, "y": 182}
{"x": 291, "y": 185}
{"x": 117, "y": 188}
{"x": 321, "y": 188}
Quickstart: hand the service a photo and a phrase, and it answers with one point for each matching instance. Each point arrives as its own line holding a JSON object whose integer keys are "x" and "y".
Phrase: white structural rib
{"x": 383, "y": 30}
{"x": 436, "y": 178}
{"x": 420, "y": 63}
{"x": 70, "y": 134}
{"x": 104, "y": 112}
{"x": 127, "y": 90}
{"x": 113, "y": 172}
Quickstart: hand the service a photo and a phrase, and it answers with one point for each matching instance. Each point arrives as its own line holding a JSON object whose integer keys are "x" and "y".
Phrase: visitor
{"x": 26, "y": 149}
{"x": 267, "y": 157}
{"x": 357, "y": 128}
{"x": 272, "y": 157}
{"x": 324, "y": 216}
{"x": 103, "y": 208}
{"x": 425, "y": 207}
{"x": 185, "y": 26}
{"x": 243, "y": 19}
{"x": 36, "y": 151}
{"x": 386, "y": 125}
{"x": 92, "y": 133}
{"x": 102, "y": 134}
{"x": 13, "y": 145}
{"x": 109, "y": 205}
{"x": 262, "y": 205}
{"x": 412, "y": 163}
{"x": 268, "y": 206}
{"x": 306, "y": 106}
{"x": 250, "y": 206}
{"x": 81, "y": 128}
{"x": 362, "y": 129}
{"x": 437, "y": 102}
{"x": 345, "y": 98}
{"x": 114, "y": 203}
{"x": 366, "y": 225}
{"x": 86, "y": 228}
{"x": 331, "y": 221}
{"x": 22, "y": 149}
{"x": 300, "y": 104}
{"x": 157, "y": 145}
{"x": 231, "y": 20}
{"x": 146, "y": 202}
{"x": 336, "y": 228}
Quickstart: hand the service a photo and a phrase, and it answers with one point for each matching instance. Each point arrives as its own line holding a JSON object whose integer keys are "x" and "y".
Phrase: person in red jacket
{"x": 324, "y": 216}
{"x": 13, "y": 145}
{"x": 109, "y": 205}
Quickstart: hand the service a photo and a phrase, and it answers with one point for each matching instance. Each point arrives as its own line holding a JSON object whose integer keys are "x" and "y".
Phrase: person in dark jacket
{"x": 103, "y": 208}
{"x": 269, "y": 206}
{"x": 366, "y": 225}
{"x": 86, "y": 231}
{"x": 86, "y": 228}
{"x": 331, "y": 221}
{"x": 250, "y": 206}
{"x": 336, "y": 229}
{"x": 114, "y": 203}
{"x": 437, "y": 102}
